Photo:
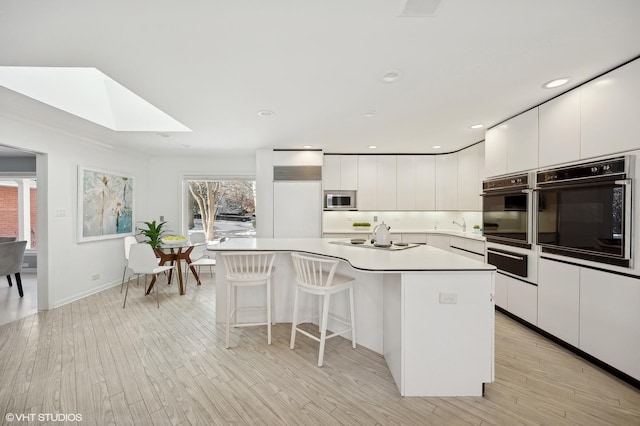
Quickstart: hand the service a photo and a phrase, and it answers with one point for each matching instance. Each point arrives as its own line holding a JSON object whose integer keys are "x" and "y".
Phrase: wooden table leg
{"x": 179, "y": 258}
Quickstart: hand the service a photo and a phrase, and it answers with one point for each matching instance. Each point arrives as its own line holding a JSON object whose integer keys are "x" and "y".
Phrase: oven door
{"x": 506, "y": 217}
{"x": 586, "y": 220}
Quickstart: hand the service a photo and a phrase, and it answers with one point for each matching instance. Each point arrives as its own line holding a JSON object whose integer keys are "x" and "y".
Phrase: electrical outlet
{"x": 161, "y": 218}
{"x": 95, "y": 277}
{"x": 375, "y": 218}
{"x": 449, "y": 298}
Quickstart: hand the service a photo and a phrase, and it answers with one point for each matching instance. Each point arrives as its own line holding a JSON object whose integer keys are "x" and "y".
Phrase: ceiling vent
{"x": 420, "y": 8}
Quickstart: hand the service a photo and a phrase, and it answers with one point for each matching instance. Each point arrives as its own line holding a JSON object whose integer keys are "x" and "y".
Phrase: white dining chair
{"x": 248, "y": 269}
{"x": 143, "y": 261}
{"x": 127, "y": 242}
{"x": 199, "y": 256}
{"x": 317, "y": 276}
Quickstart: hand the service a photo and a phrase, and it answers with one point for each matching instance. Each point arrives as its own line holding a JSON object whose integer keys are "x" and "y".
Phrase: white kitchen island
{"x": 428, "y": 311}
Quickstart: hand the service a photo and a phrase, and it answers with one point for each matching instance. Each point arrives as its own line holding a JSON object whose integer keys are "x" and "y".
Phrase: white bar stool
{"x": 247, "y": 269}
{"x": 316, "y": 275}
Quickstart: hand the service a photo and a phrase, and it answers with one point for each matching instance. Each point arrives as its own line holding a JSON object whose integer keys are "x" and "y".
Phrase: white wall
{"x": 66, "y": 267}
{"x": 167, "y": 174}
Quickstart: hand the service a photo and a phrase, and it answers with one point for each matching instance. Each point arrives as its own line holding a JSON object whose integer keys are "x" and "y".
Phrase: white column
{"x": 24, "y": 210}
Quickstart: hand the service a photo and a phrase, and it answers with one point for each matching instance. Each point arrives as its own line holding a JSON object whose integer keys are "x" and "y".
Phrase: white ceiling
{"x": 213, "y": 64}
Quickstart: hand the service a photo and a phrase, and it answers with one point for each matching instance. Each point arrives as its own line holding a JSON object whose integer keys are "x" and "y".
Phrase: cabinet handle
{"x": 510, "y": 256}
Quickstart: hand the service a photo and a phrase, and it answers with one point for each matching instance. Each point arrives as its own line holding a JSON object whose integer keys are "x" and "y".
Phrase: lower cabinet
{"x": 517, "y": 296}
{"x": 559, "y": 300}
{"x": 439, "y": 241}
{"x": 610, "y": 319}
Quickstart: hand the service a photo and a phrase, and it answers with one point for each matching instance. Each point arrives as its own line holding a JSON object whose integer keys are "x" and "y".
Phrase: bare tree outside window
{"x": 222, "y": 208}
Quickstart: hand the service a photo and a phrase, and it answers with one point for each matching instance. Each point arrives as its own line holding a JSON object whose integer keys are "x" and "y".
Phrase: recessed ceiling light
{"x": 476, "y": 126}
{"x": 372, "y": 147}
{"x": 187, "y": 146}
{"x": 164, "y": 135}
{"x": 266, "y": 113}
{"x": 369, "y": 114}
{"x": 436, "y": 147}
{"x": 390, "y": 76}
{"x": 556, "y": 83}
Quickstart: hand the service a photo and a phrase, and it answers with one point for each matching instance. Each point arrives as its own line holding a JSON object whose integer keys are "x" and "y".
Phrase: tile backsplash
{"x": 334, "y": 221}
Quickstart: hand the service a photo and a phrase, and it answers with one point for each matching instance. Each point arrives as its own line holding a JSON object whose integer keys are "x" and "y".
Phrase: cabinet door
{"x": 559, "y": 127}
{"x": 348, "y": 172}
{"x": 495, "y": 151}
{"x": 609, "y": 319}
{"x": 522, "y": 300}
{"x": 469, "y": 185}
{"x": 438, "y": 241}
{"x": 406, "y": 182}
{"x": 522, "y": 142}
{"x": 331, "y": 172}
{"x": 609, "y": 112}
{"x": 425, "y": 182}
{"x": 500, "y": 292}
{"x": 387, "y": 182}
{"x": 447, "y": 182}
{"x": 367, "y": 182}
{"x": 559, "y": 299}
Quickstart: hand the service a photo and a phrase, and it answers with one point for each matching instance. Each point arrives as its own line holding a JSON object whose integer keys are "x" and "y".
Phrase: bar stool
{"x": 247, "y": 269}
{"x": 316, "y": 275}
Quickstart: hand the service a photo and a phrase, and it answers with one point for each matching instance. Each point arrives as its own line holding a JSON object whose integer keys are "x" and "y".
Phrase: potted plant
{"x": 154, "y": 232}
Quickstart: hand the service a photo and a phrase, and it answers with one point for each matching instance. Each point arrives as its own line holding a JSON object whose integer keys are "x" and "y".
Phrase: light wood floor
{"x": 168, "y": 366}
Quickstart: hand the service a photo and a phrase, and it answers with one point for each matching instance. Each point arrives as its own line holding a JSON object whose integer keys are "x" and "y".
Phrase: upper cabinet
{"x": 410, "y": 182}
{"x": 340, "y": 172}
{"x": 376, "y": 182}
{"x": 559, "y": 130}
{"x": 447, "y": 182}
{"x": 513, "y": 145}
{"x": 425, "y": 182}
{"x": 609, "y": 112}
{"x": 495, "y": 151}
{"x": 522, "y": 142}
{"x": 470, "y": 172}
{"x": 416, "y": 182}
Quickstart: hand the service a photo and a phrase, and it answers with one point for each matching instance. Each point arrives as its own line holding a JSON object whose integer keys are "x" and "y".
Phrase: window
{"x": 18, "y": 210}
{"x": 221, "y": 208}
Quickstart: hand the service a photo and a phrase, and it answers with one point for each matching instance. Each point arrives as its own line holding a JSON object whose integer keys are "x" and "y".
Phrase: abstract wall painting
{"x": 105, "y": 204}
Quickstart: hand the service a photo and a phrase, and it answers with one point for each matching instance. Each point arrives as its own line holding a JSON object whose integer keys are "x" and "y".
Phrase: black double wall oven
{"x": 584, "y": 211}
{"x": 507, "y": 222}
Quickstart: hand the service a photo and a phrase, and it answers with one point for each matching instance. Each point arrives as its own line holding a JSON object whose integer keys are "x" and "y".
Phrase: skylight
{"x": 89, "y": 94}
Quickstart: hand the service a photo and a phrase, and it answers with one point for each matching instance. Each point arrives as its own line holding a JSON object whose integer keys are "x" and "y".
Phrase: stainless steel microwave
{"x": 340, "y": 200}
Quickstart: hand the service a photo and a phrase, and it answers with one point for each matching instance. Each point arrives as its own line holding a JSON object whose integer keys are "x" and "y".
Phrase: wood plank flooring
{"x": 148, "y": 366}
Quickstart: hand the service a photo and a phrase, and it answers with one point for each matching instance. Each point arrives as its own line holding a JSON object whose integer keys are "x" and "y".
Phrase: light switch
{"x": 61, "y": 212}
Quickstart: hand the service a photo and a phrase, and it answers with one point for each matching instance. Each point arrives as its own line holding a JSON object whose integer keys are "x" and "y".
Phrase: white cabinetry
{"x": 522, "y": 142}
{"x": 331, "y": 172}
{"x": 425, "y": 182}
{"x": 609, "y": 318}
{"x": 447, "y": 182}
{"x": 406, "y": 182}
{"x": 513, "y": 145}
{"x": 495, "y": 151}
{"x": 522, "y": 299}
{"x": 367, "y": 182}
{"x": 609, "y": 112}
{"x": 559, "y": 299}
{"x": 469, "y": 177}
{"x": 559, "y": 130}
{"x": 340, "y": 172}
{"x": 439, "y": 241}
{"x": 500, "y": 295}
{"x": 386, "y": 182}
{"x": 376, "y": 182}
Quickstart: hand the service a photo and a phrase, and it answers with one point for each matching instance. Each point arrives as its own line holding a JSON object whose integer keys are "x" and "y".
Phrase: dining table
{"x": 174, "y": 253}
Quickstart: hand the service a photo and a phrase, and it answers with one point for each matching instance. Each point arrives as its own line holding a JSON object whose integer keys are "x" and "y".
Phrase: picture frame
{"x": 105, "y": 204}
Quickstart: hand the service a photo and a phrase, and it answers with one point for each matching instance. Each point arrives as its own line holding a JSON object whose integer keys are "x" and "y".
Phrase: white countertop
{"x": 420, "y": 258}
{"x": 469, "y": 234}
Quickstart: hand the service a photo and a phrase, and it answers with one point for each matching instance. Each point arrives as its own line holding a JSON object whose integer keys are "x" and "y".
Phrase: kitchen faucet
{"x": 463, "y": 225}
